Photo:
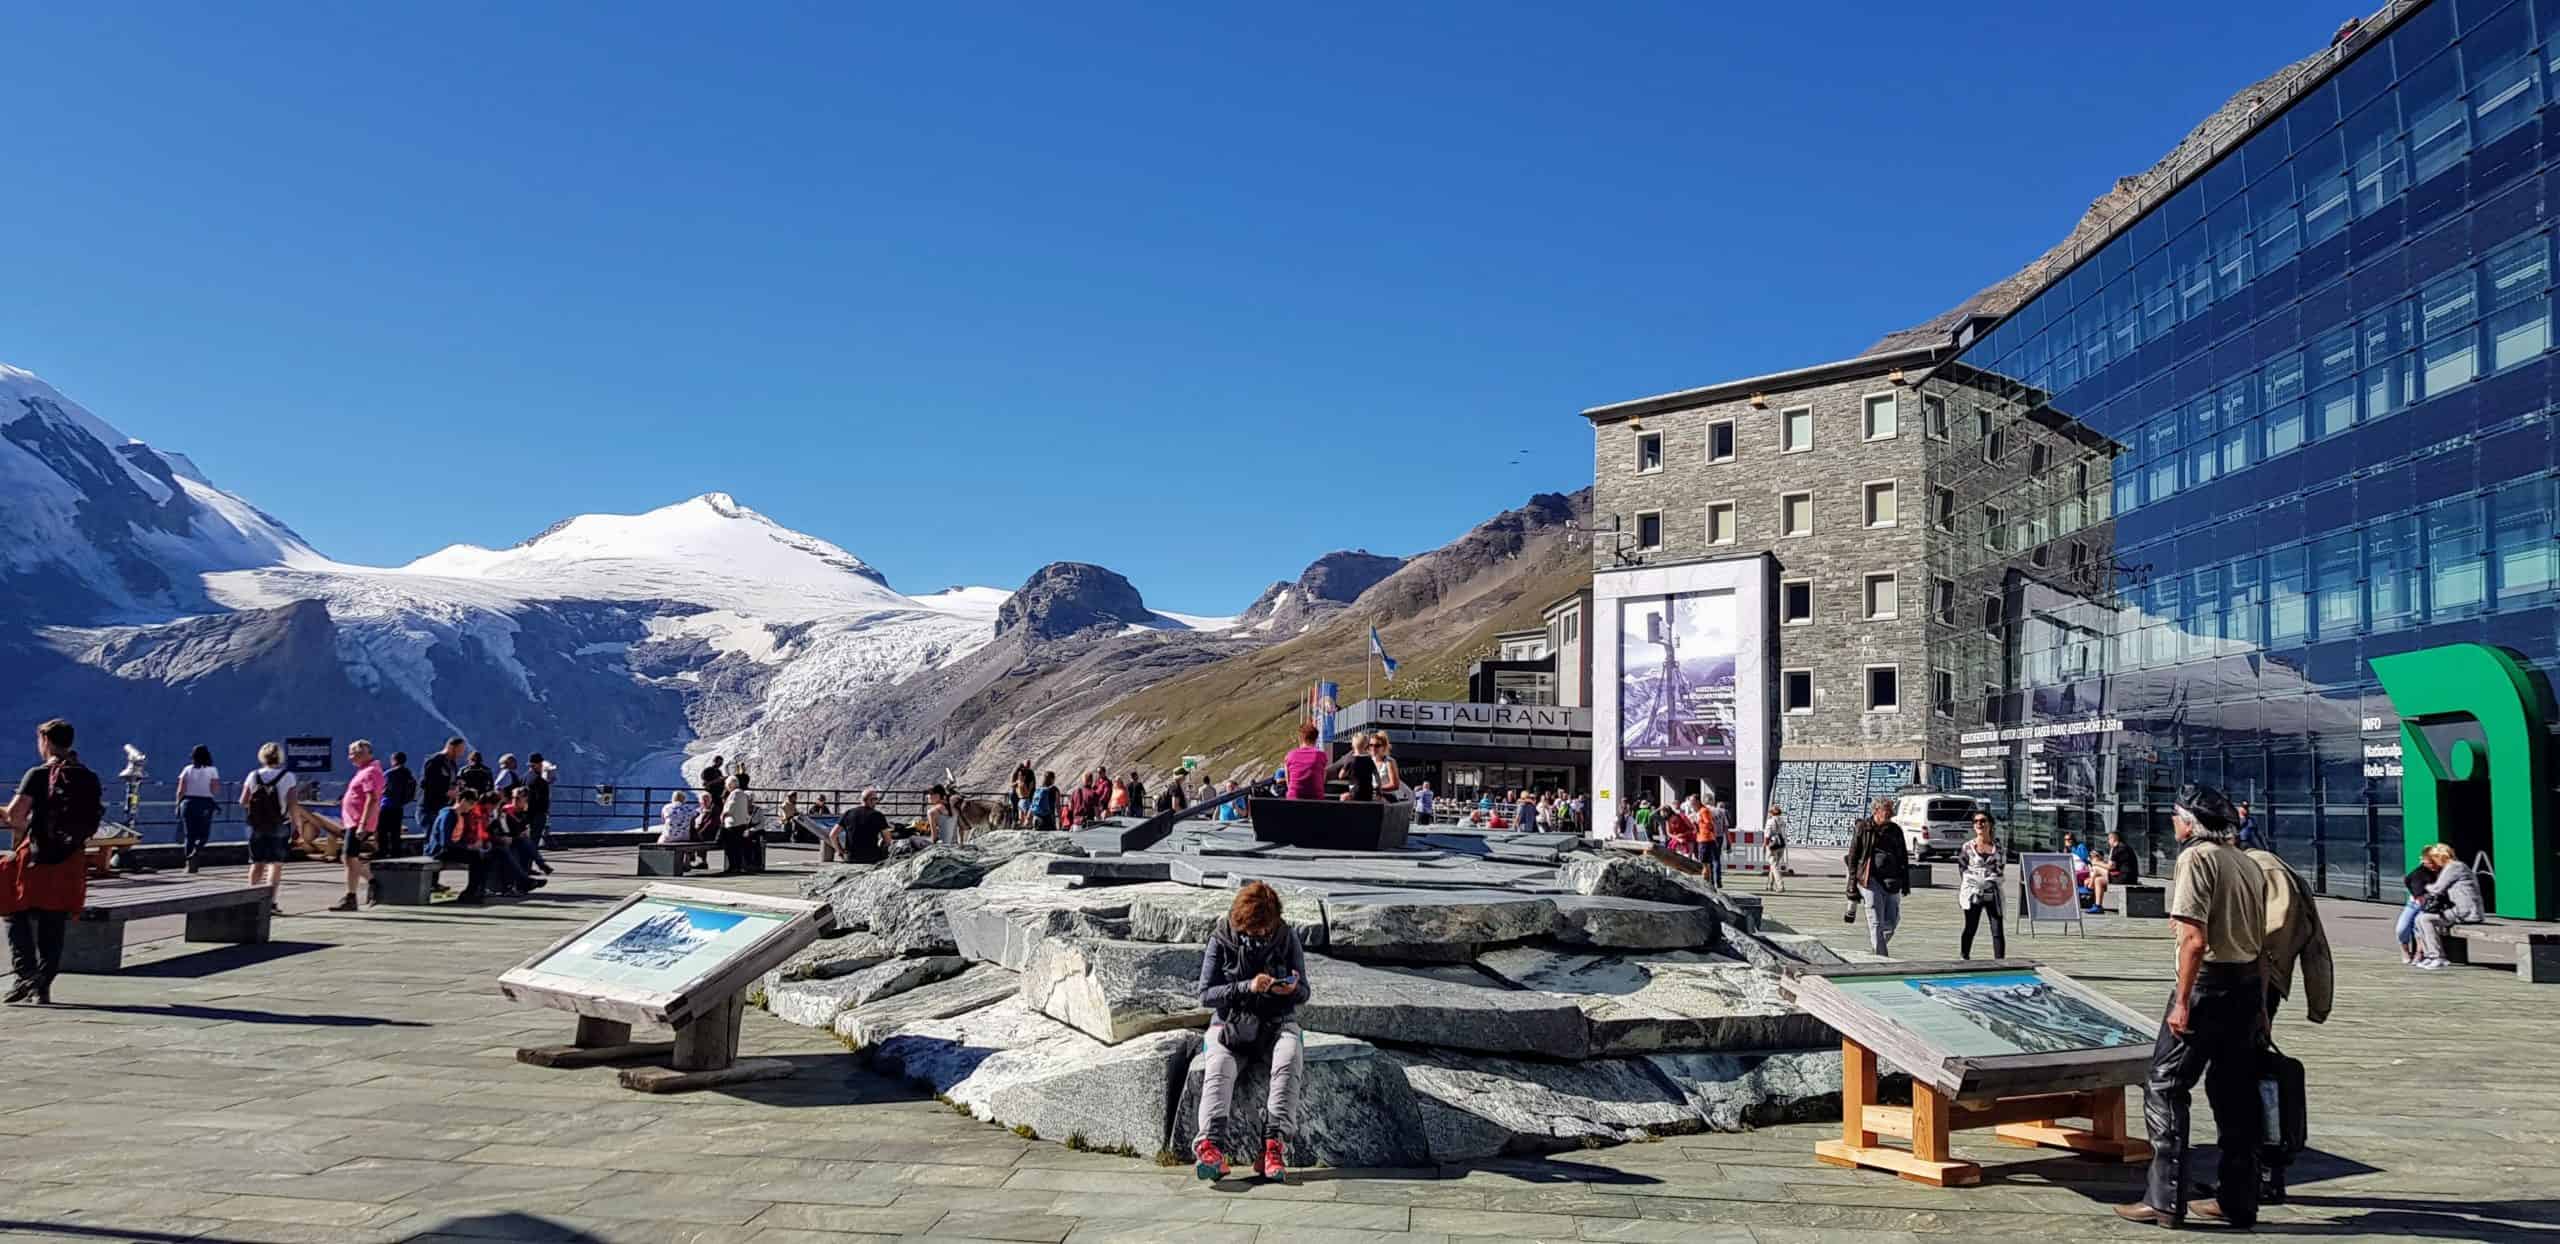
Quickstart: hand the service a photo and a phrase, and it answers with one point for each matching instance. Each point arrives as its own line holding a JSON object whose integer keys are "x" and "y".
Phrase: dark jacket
{"x": 476, "y": 778}
{"x": 537, "y": 801}
{"x": 1230, "y": 962}
{"x": 1877, "y": 850}
{"x": 435, "y": 790}
{"x": 399, "y": 787}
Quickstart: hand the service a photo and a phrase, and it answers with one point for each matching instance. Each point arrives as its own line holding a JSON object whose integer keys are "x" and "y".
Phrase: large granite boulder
{"x": 1736, "y": 1092}
{"x": 830, "y": 956}
{"x": 941, "y": 1051}
{"x": 1184, "y": 915}
{"x": 1354, "y": 1108}
{"x": 1031, "y": 868}
{"x": 914, "y": 922}
{"x": 1113, "y": 990}
{"x": 1616, "y": 923}
{"x": 976, "y": 989}
{"x": 1619, "y": 875}
{"x": 999, "y": 845}
{"x": 816, "y": 1003}
{"x": 854, "y": 892}
{"x": 1429, "y": 925}
{"x": 1005, "y": 924}
{"x": 1010, "y": 1065}
{"x": 1352, "y": 1000}
{"x": 1639, "y": 1004}
{"x": 1476, "y": 1107}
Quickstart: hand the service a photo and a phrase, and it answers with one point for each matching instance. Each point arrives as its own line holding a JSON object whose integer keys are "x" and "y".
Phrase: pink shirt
{"x": 1306, "y": 767}
{"x": 364, "y": 795}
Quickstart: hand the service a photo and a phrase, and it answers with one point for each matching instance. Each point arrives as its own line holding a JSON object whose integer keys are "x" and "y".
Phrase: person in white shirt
{"x": 737, "y": 825}
{"x": 1774, "y": 830}
{"x": 267, "y": 801}
{"x": 199, "y": 801}
{"x": 675, "y": 821}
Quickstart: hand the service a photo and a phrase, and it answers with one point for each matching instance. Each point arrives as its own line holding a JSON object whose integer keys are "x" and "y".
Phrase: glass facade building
{"x": 2294, "y": 416}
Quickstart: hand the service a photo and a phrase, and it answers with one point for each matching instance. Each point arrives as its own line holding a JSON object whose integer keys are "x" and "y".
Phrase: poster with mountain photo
{"x": 1676, "y": 657}
{"x": 660, "y": 945}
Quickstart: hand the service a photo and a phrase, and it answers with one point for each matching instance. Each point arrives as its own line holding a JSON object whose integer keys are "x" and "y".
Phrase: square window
{"x": 1795, "y": 601}
{"x": 1649, "y": 452}
{"x": 1795, "y": 514}
{"x": 1933, "y": 416}
{"x": 1795, "y": 430}
{"x": 1884, "y": 689}
{"x": 1884, "y": 416}
{"x": 1649, "y": 530}
{"x": 1796, "y": 690}
{"x": 1720, "y": 441}
{"x": 1884, "y": 507}
{"x": 1942, "y": 508}
{"x": 1942, "y": 692}
{"x": 1884, "y": 593}
{"x": 1720, "y": 523}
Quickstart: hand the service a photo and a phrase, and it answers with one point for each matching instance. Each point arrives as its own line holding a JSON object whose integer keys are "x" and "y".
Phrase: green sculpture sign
{"x": 2485, "y": 686}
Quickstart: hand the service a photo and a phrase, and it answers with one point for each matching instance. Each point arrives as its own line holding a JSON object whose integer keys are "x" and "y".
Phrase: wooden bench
{"x": 2144, "y": 901}
{"x": 2536, "y": 948}
{"x": 406, "y": 881}
{"x": 102, "y": 852}
{"x": 674, "y": 859}
{"x": 216, "y": 911}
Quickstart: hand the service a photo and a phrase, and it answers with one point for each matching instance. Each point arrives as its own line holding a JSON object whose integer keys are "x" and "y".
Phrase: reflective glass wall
{"x": 2315, "y": 385}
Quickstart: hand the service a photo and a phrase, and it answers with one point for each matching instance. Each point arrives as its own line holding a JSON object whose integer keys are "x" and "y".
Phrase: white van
{"x": 1934, "y": 822}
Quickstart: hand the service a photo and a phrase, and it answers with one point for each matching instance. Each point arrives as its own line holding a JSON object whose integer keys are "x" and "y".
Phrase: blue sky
{"x": 1194, "y": 292}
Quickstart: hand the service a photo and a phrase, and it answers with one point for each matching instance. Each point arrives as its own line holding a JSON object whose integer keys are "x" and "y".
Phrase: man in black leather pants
{"x": 2213, "y": 1030}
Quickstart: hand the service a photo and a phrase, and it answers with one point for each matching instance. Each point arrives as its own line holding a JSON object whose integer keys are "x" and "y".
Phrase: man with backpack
{"x": 44, "y": 880}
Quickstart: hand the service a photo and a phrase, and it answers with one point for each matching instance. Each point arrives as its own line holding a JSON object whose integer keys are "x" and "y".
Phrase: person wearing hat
{"x": 2216, "y": 1022}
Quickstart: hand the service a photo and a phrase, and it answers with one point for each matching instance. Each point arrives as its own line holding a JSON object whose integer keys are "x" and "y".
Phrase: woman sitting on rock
{"x": 1253, "y": 978}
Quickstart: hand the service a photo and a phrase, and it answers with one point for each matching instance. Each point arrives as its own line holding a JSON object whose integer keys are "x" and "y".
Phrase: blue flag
{"x": 1378, "y": 648}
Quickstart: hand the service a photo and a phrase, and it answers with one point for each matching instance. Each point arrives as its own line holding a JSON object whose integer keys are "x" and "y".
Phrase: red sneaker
{"x": 1206, "y": 1161}
{"x": 1271, "y": 1168}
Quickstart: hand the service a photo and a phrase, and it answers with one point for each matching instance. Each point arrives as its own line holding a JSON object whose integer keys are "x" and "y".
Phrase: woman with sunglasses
{"x": 1979, "y": 889}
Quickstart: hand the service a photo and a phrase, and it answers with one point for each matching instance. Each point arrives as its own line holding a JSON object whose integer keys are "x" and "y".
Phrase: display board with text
{"x": 665, "y": 954}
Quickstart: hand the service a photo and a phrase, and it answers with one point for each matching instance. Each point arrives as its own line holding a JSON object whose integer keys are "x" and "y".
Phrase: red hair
{"x": 1256, "y": 911}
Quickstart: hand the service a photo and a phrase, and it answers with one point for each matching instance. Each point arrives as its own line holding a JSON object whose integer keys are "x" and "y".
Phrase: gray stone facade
{"x": 1839, "y": 642}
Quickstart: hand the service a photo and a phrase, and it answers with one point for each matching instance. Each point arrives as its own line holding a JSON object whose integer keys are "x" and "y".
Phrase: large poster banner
{"x": 1676, "y": 658}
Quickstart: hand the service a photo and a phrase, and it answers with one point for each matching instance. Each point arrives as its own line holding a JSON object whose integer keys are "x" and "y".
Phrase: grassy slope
{"x": 1244, "y": 710}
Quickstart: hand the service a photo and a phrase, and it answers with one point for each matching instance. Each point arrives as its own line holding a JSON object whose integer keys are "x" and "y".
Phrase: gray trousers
{"x": 2431, "y": 927}
{"x": 1218, "y": 1081}
{"x": 1884, "y": 915}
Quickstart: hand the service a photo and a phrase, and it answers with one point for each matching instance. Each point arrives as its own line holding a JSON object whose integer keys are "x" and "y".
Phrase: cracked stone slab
{"x": 1737, "y": 1092}
{"x": 1352, "y": 1000}
{"x": 1115, "y": 990}
{"x": 1398, "y": 921}
{"x": 1005, "y": 925}
{"x": 977, "y": 988}
{"x": 816, "y": 1003}
{"x": 831, "y": 956}
{"x": 1641, "y": 1004}
{"x": 1476, "y": 1107}
{"x": 1355, "y": 1108}
{"x": 1617, "y": 923}
{"x": 1010, "y": 1065}
{"x": 853, "y": 893}
{"x": 1186, "y": 916}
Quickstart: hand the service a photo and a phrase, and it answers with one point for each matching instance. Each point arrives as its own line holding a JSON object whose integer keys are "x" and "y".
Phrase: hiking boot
{"x": 26, "y": 989}
{"x": 345, "y": 904}
{"x": 2141, "y": 1211}
{"x": 1272, "y": 1168}
{"x": 1206, "y": 1161}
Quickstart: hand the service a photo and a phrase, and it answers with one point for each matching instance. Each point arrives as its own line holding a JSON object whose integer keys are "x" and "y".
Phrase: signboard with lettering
{"x": 1444, "y": 715}
{"x": 309, "y": 754}
{"x": 2052, "y": 888}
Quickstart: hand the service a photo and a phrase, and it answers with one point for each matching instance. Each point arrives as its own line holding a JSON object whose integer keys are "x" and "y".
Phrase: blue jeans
{"x": 195, "y": 814}
{"x": 2406, "y": 927}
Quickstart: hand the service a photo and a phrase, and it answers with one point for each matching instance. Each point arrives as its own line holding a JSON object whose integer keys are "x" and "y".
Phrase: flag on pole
{"x": 1378, "y": 649}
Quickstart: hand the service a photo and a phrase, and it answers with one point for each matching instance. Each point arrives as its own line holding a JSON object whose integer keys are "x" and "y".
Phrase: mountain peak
{"x": 1062, "y": 598}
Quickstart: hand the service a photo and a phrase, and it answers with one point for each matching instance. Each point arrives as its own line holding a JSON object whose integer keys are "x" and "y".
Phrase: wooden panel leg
{"x": 1857, "y": 1092}
{"x": 710, "y": 1042}
{"x": 1928, "y": 1124}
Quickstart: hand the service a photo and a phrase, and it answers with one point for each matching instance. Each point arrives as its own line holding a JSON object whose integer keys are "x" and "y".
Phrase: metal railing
{"x": 574, "y": 809}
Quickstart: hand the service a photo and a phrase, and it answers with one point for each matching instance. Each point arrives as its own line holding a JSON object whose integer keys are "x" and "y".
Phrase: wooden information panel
{"x": 2004, "y": 1044}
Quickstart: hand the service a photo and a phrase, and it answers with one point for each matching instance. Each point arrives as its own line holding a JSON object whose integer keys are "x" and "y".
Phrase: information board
{"x": 665, "y": 954}
{"x": 310, "y": 754}
{"x": 1974, "y": 1030}
{"x": 2000, "y": 1012}
{"x": 2050, "y": 886}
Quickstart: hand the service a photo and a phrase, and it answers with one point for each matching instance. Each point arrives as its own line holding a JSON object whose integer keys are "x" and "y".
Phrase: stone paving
{"x": 356, "y": 1082}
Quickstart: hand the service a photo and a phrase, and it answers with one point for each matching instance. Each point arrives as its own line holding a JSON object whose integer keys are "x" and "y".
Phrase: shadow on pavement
{"x": 2448, "y": 1220}
{"x": 224, "y": 1014}
{"x": 219, "y": 959}
{"x": 530, "y": 1228}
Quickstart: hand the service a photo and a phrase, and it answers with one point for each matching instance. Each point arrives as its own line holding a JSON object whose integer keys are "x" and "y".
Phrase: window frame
{"x": 1867, "y": 686}
{"x": 1942, "y": 678}
{"x": 1995, "y": 527}
{"x": 1732, "y": 442}
{"x": 1867, "y": 595}
{"x": 1867, "y": 416}
{"x": 1653, "y": 441}
{"x": 1787, "y": 709}
{"x": 1656, "y": 516}
{"x": 1733, "y": 525}
{"x": 1866, "y": 503}
{"x": 1788, "y": 533}
{"x": 1933, "y": 417}
{"x": 1807, "y": 446}
{"x": 1807, "y": 619}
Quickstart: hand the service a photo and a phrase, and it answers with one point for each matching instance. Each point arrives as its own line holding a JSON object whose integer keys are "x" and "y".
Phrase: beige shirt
{"x": 2216, "y": 885}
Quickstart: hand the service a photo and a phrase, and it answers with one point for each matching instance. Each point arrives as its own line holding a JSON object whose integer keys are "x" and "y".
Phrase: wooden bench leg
{"x": 706, "y": 1055}
{"x": 240, "y": 922}
{"x": 94, "y": 947}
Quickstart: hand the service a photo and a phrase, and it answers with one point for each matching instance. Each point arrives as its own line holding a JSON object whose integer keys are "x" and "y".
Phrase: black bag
{"x": 2286, "y": 1110}
{"x": 265, "y": 805}
{"x": 73, "y": 808}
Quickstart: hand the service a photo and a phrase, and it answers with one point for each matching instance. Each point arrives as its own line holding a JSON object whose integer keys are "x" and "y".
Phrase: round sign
{"x": 2051, "y": 884}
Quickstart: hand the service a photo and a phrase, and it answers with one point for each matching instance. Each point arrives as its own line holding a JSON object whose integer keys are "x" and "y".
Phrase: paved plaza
{"x": 356, "y": 1081}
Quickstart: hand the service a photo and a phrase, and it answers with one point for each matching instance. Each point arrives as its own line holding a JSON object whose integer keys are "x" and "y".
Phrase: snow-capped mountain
{"x": 102, "y": 526}
{"x": 163, "y": 610}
